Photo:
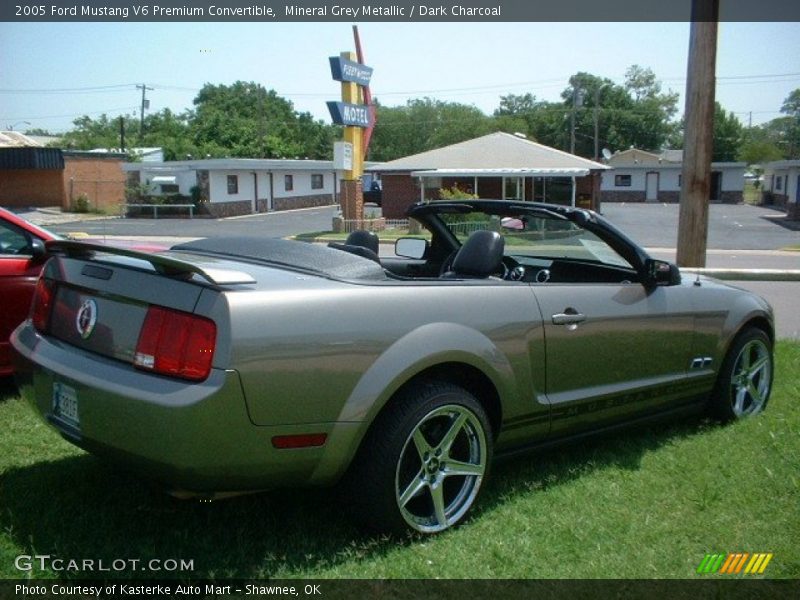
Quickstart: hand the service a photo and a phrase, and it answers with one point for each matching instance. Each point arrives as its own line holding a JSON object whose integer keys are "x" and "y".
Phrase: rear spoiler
{"x": 164, "y": 265}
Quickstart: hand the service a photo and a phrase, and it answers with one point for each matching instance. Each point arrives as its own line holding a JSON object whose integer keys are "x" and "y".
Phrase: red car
{"x": 22, "y": 256}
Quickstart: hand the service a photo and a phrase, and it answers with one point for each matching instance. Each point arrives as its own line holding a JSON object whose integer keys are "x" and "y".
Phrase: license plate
{"x": 65, "y": 403}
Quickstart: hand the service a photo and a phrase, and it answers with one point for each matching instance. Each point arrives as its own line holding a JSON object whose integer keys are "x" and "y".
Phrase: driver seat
{"x": 480, "y": 257}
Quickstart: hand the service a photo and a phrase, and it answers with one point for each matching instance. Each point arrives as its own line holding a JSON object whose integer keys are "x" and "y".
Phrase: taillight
{"x": 176, "y": 343}
{"x": 43, "y": 303}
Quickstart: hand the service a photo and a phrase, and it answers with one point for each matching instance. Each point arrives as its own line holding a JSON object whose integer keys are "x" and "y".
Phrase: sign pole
{"x": 352, "y": 192}
{"x": 354, "y": 116}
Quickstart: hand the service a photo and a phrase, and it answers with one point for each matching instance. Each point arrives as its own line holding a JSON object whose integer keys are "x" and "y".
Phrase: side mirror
{"x": 660, "y": 272}
{"x": 37, "y": 248}
{"x": 415, "y": 248}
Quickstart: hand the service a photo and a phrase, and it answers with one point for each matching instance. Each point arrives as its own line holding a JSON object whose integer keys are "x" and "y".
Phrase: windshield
{"x": 535, "y": 235}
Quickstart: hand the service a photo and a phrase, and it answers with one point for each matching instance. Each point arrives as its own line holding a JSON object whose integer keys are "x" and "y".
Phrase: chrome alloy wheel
{"x": 751, "y": 379}
{"x": 440, "y": 469}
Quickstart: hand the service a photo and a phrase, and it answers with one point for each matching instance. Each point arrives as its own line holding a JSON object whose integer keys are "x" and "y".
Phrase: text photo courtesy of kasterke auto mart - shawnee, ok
{"x": 331, "y": 299}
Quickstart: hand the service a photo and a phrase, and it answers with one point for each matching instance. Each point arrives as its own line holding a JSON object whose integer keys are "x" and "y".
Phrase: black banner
{"x": 733, "y": 588}
{"x": 389, "y": 10}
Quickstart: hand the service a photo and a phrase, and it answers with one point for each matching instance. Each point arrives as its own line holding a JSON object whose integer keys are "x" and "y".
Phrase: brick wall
{"x": 221, "y": 210}
{"x": 773, "y": 199}
{"x": 731, "y": 197}
{"x": 667, "y": 197}
{"x": 399, "y": 192}
{"x": 31, "y": 187}
{"x": 100, "y": 179}
{"x": 302, "y": 201}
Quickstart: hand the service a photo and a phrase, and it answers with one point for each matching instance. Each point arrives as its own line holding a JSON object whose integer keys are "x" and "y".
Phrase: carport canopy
{"x": 572, "y": 173}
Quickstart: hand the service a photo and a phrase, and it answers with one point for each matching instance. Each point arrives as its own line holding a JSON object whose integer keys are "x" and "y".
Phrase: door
{"x": 797, "y": 191}
{"x": 651, "y": 187}
{"x": 613, "y": 350}
{"x": 19, "y": 271}
{"x": 716, "y": 185}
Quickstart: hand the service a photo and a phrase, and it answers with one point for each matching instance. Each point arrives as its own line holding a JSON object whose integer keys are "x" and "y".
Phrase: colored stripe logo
{"x": 735, "y": 563}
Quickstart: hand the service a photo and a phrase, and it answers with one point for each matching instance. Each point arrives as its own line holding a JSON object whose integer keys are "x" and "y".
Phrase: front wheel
{"x": 424, "y": 461}
{"x": 745, "y": 379}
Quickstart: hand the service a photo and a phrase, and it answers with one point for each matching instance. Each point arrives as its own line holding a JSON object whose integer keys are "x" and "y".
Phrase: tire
{"x": 422, "y": 463}
{"x": 745, "y": 379}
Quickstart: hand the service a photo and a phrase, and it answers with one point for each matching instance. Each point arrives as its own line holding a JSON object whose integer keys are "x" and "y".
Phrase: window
{"x": 233, "y": 184}
{"x": 622, "y": 180}
{"x": 680, "y": 180}
{"x": 169, "y": 188}
{"x": 288, "y": 182}
{"x": 317, "y": 181}
{"x": 13, "y": 240}
{"x": 779, "y": 184}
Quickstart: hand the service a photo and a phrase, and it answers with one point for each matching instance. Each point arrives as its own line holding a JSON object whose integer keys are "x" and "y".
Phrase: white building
{"x": 639, "y": 176}
{"x": 236, "y": 186}
{"x": 781, "y": 186}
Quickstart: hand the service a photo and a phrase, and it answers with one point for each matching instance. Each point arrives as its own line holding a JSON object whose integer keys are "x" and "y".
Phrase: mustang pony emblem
{"x": 86, "y": 318}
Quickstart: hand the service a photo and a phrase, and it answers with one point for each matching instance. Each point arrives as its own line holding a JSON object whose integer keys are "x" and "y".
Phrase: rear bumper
{"x": 192, "y": 437}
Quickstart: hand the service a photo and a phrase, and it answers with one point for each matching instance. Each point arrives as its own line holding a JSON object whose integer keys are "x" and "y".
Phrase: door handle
{"x": 569, "y": 317}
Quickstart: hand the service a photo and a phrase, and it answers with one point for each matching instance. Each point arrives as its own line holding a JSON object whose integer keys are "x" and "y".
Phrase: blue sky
{"x": 758, "y": 64}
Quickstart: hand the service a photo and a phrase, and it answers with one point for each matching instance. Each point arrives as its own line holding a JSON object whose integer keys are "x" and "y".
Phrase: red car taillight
{"x": 176, "y": 343}
{"x": 43, "y": 303}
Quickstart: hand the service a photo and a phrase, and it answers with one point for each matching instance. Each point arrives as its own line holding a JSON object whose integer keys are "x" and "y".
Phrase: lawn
{"x": 649, "y": 503}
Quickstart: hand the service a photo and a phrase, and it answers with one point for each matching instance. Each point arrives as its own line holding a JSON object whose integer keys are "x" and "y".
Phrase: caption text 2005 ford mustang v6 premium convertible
{"x": 232, "y": 365}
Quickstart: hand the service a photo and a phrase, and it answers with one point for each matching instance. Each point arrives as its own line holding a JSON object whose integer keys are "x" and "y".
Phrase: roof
{"x": 502, "y": 151}
{"x": 235, "y": 164}
{"x": 633, "y": 158}
{"x": 782, "y": 164}
{"x": 17, "y": 139}
{"x": 533, "y": 172}
{"x": 31, "y": 158}
{"x": 151, "y": 154}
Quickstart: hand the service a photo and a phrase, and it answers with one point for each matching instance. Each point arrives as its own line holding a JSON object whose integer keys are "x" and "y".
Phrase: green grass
{"x": 751, "y": 193}
{"x": 649, "y": 503}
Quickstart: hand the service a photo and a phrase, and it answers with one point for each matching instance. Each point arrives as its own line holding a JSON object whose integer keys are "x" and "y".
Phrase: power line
{"x": 757, "y": 78}
{"x": 122, "y": 87}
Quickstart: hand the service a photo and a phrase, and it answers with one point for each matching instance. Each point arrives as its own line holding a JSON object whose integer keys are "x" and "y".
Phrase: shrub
{"x": 80, "y": 204}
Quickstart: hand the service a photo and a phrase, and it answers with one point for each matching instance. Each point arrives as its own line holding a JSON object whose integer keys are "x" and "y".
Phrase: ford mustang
{"x": 229, "y": 365}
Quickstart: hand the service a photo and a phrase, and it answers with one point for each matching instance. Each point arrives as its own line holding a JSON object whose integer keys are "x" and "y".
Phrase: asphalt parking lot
{"x": 730, "y": 226}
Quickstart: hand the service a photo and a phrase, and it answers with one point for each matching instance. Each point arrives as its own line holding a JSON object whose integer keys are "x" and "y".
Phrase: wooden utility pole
{"x": 698, "y": 140}
{"x": 145, "y": 104}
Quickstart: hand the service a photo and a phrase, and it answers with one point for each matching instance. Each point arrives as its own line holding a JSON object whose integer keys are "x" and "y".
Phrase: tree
{"x": 758, "y": 146}
{"x": 791, "y": 124}
{"x": 791, "y": 105}
{"x": 102, "y": 132}
{"x": 169, "y": 131}
{"x": 425, "y": 124}
{"x": 778, "y": 139}
{"x": 728, "y": 132}
{"x": 244, "y": 120}
{"x": 636, "y": 113}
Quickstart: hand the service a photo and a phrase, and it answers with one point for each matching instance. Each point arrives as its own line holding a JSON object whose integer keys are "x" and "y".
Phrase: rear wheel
{"x": 745, "y": 380}
{"x": 423, "y": 463}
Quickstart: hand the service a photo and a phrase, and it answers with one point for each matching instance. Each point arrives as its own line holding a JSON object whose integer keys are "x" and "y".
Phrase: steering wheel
{"x": 512, "y": 270}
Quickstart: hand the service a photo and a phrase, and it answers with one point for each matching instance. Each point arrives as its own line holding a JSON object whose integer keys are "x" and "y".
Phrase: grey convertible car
{"x": 232, "y": 365}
